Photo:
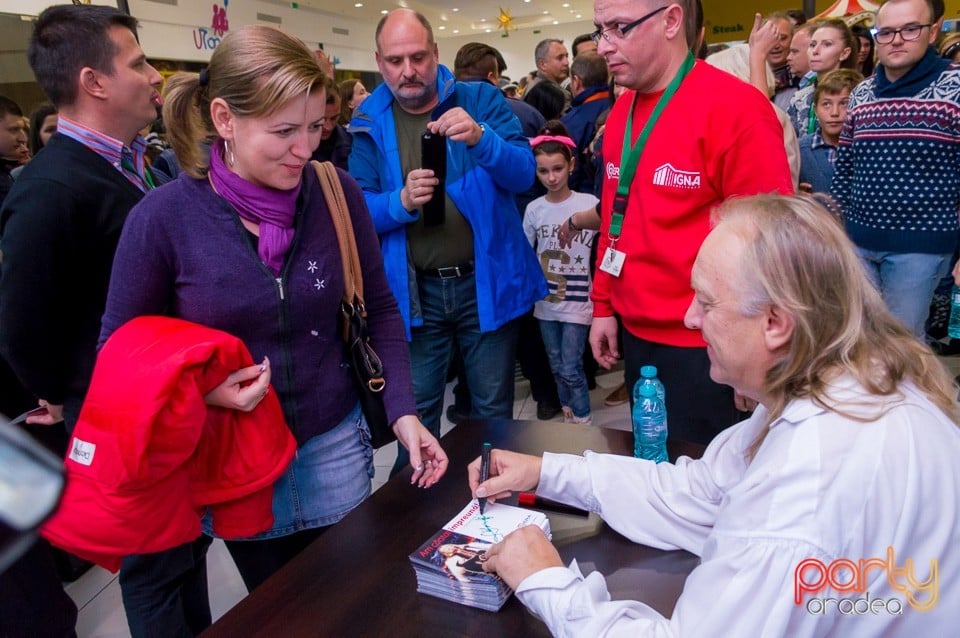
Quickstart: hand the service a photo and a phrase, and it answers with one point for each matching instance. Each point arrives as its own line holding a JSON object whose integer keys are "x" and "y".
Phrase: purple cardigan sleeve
{"x": 383, "y": 316}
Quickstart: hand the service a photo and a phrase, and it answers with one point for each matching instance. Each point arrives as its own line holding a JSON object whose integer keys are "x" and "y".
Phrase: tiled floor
{"x": 97, "y": 593}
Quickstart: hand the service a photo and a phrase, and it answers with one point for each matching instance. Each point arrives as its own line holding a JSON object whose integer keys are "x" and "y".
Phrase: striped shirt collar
{"x": 109, "y": 148}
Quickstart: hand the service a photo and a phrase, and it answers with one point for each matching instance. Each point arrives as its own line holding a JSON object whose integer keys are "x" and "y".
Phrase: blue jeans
{"x": 906, "y": 281}
{"x": 565, "y": 343}
{"x": 329, "y": 476}
{"x": 449, "y": 310}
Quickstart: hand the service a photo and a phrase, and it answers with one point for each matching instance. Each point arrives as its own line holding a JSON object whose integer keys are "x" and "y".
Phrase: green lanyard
{"x": 812, "y": 115}
{"x": 146, "y": 178}
{"x": 630, "y": 156}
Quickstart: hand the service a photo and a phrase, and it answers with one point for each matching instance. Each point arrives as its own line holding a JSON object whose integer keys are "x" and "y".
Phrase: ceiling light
{"x": 487, "y": 30}
{"x": 455, "y": 9}
{"x": 545, "y": 12}
{"x": 357, "y": 4}
{"x": 441, "y": 27}
{"x": 384, "y": 12}
{"x": 579, "y": 16}
{"x": 565, "y": 5}
{"x": 556, "y": 22}
{"x": 456, "y": 30}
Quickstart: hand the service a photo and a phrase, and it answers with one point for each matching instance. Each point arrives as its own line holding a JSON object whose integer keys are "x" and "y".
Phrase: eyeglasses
{"x": 909, "y": 33}
{"x": 621, "y": 32}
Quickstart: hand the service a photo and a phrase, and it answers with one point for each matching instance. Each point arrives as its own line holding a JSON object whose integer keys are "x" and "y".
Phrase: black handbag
{"x": 364, "y": 362}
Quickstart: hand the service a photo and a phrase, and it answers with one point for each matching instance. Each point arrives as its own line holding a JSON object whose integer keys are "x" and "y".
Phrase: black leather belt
{"x": 449, "y": 272}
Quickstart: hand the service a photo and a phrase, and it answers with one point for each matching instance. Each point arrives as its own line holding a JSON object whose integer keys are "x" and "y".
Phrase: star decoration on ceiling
{"x": 505, "y": 21}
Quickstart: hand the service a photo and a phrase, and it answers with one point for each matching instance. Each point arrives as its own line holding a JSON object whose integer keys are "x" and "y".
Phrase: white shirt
{"x": 822, "y": 486}
{"x": 567, "y": 269}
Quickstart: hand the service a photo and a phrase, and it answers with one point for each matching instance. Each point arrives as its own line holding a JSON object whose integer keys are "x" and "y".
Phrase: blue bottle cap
{"x": 648, "y": 372}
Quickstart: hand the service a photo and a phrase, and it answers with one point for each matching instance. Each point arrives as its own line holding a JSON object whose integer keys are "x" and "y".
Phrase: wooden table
{"x": 356, "y": 580}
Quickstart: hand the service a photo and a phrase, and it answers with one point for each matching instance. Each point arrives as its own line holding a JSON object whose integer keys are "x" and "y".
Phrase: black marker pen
{"x": 484, "y": 470}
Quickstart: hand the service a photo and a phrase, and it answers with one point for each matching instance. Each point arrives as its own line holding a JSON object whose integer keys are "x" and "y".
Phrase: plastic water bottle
{"x": 648, "y": 374}
{"x": 649, "y": 425}
{"x": 953, "y": 331}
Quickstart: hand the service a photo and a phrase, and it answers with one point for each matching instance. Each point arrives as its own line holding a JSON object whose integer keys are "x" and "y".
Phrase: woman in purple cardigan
{"x": 244, "y": 242}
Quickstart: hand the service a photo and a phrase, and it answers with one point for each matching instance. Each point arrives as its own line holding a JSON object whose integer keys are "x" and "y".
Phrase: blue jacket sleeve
{"x": 370, "y": 169}
{"x": 502, "y": 151}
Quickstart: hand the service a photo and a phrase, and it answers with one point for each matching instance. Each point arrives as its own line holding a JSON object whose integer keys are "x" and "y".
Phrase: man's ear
{"x": 673, "y": 19}
{"x": 223, "y": 118}
{"x": 777, "y": 328}
{"x": 935, "y": 31}
{"x": 91, "y": 84}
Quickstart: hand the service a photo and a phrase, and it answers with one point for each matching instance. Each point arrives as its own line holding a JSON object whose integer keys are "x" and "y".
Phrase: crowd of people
{"x": 626, "y": 203}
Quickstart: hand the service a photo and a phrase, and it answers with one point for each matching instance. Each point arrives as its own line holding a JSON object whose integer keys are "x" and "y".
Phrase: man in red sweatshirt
{"x": 682, "y": 139}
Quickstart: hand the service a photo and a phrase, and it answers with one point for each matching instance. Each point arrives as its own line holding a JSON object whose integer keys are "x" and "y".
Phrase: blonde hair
{"x": 255, "y": 69}
{"x": 798, "y": 257}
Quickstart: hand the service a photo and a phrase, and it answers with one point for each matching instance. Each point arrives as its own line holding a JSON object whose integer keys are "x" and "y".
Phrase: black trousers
{"x": 697, "y": 408}
{"x": 258, "y": 560}
{"x": 534, "y": 363}
{"x": 165, "y": 593}
{"x": 32, "y": 601}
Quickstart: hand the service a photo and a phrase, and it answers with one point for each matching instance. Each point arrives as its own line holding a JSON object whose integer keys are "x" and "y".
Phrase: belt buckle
{"x": 442, "y": 272}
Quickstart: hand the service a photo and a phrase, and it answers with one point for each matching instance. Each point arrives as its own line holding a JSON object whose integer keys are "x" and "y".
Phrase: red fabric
{"x": 717, "y": 129}
{"x": 162, "y": 455}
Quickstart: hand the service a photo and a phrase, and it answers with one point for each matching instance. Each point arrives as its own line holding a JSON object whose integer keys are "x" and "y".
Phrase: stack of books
{"x": 449, "y": 564}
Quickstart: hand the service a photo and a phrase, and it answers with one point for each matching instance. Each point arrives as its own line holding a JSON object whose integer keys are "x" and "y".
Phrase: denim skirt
{"x": 328, "y": 477}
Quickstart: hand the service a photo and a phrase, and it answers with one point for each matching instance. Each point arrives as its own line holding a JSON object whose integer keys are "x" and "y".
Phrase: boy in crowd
{"x": 818, "y": 150}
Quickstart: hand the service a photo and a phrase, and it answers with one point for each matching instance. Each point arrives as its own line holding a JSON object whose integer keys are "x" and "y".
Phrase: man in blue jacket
{"x": 463, "y": 281}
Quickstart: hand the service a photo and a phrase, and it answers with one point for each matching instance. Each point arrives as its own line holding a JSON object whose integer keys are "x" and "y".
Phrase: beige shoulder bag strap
{"x": 337, "y": 203}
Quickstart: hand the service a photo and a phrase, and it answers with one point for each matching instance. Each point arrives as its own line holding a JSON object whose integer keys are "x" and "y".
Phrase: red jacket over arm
{"x": 148, "y": 456}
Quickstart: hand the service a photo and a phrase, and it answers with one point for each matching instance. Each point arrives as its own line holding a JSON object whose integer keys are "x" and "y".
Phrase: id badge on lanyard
{"x": 613, "y": 259}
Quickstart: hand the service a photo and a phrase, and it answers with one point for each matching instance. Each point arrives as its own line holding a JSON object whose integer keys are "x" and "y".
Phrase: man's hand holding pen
{"x": 526, "y": 550}
{"x": 509, "y": 472}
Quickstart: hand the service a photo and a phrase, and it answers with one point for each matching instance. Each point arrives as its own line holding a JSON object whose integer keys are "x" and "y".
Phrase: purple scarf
{"x": 272, "y": 209}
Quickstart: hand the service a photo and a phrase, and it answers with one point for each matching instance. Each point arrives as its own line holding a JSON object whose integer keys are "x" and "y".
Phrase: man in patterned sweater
{"x": 898, "y": 165}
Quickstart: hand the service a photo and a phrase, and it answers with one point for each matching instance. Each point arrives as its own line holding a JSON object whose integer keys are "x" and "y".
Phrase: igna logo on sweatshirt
{"x": 82, "y": 452}
{"x": 667, "y": 175}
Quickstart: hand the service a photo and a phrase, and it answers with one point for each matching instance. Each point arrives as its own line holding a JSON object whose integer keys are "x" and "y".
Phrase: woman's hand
{"x": 763, "y": 37}
{"x": 428, "y": 459}
{"x": 509, "y": 472}
{"x": 243, "y": 390}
